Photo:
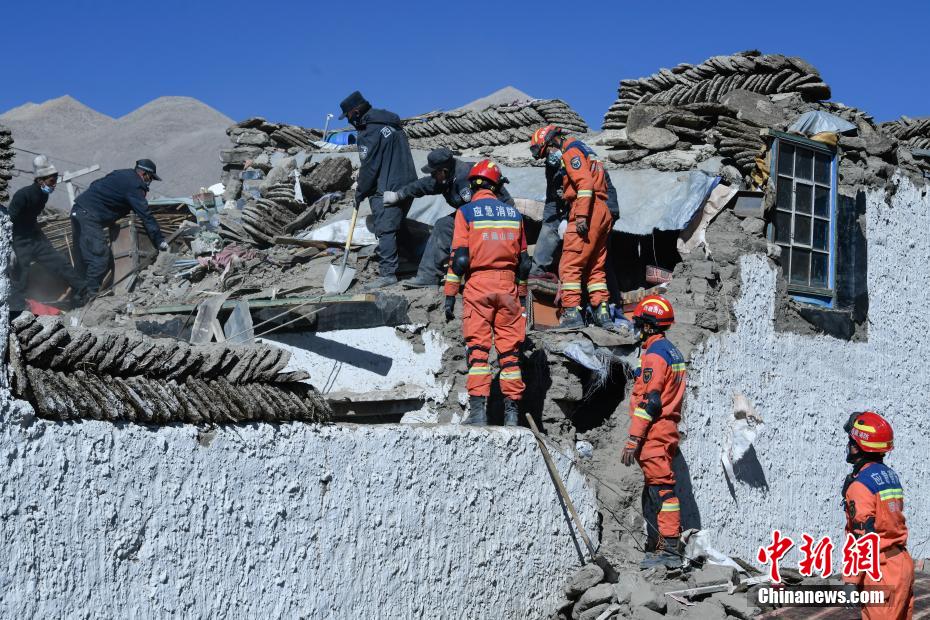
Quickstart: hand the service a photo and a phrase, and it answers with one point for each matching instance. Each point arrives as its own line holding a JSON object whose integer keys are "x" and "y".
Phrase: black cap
{"x": 148, "y": 166}
{"x": 351, "y": 102}
{"x": 438, "y": 158}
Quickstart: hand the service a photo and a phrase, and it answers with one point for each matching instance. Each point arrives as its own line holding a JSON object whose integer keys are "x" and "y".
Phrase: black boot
{"x": 602, "y": 316}
{"x": 668, "y": 554}
{"x": 477, "y": 411}
{"x": 511, "y": 412}
{"x": 571, "y": 317}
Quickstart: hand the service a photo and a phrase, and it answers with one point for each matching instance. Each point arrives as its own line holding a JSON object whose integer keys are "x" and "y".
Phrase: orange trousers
{"x": 898, "y": 584}
{"x": 661, "y": 507}
{"x": 492, "y": 315}
{"x": 583, "y": 260}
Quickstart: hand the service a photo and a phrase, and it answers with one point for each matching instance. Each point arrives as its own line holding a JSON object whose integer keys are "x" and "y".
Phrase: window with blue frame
{"x": 805, "y": 216}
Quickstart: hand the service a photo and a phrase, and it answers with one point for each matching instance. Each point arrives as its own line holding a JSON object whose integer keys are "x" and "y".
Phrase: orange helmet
{"x": 542, "y": 138}
{"x": 486, "y": 172}
{"x": 654, "y": 310}
{"x": 870, "y": 431}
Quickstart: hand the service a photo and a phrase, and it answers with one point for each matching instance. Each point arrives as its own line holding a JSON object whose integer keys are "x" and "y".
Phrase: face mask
{"x": 553, "y": 158}
{"x": 47, "y": 189}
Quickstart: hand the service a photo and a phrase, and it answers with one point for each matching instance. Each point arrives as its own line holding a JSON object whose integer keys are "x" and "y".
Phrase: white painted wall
{"x": 290, "y": 520}
{"x": 805, "y": 388}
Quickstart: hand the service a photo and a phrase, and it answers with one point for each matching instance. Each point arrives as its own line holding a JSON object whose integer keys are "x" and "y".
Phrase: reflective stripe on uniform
{"x": 641, "y": 413}
{"x": 451, "y": 277}
{"x": 585, "y": 192}
{"x": 597, "y": 286}
{"x": 497, "y": 224}
{"x": 896, "y": 493}
{"x": 571, "y": 286}
{"x": 671, "y": 505}
{"x": 511, "y": 375}
{"x": 680, "y": 367}
{"x": 479, "y": 370}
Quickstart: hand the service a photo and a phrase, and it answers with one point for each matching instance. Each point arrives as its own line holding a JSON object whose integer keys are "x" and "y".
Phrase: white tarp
{"x": 817, "y": 121}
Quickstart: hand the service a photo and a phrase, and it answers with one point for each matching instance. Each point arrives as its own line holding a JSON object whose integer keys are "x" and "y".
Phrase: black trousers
{"x": 92, "y": 247}
{"x": 389, "y": 228}
{"x": 436, "y": 255}
{"x": 37, "y": 248}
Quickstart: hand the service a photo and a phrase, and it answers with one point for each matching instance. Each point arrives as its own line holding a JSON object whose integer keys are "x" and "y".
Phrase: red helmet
{"x": 542, "y": 138}
{"x": 655, "y": 310}
{"x": 486, "y": 171}
{"x": 870, "y": 431}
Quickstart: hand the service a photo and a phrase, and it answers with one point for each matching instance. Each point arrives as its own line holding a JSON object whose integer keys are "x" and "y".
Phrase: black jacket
{"x": 24, "y": 208}
{"x": 112, "y": 197}
{"x": 456, "y": 193}
{"x": 384, "y": 155}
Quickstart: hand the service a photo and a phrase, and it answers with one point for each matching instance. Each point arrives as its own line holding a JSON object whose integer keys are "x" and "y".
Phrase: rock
{"x": 253, "y": 138}
{"x": 736, "y": 605}
{"x": 643, "y": 613}
{"x": 712, "y": 574}
{"x": 672, "y": 161}
{"x": 625, "y": 157}
{"x": 585, "y": 578}
{"x": 601, "y": 593}
{"x": 753, "y": 107}
{"x": 705, "y": 610}
{"x": 654, "y": 138}
{"x": 627, "y": 583}
{"x": 852, "y": 143}
{"x": 647, "y": 596}
{"x": 592, "y": 613}
{"x": 753, "y": 226}
{"x": 879, "y": 145}
{"x": 643, "y": 115}
{"x": 331, "y": 175}
{"x": 239, "y": 155}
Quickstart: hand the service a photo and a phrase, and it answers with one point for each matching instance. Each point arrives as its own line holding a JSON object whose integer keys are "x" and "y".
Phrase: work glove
{"x": 581, "y": 227}
{"x": 629, "y": 450}
{"x": 450, "y": 307}
{"x": 390, "y": 197}
{"x": 163, "y": 246}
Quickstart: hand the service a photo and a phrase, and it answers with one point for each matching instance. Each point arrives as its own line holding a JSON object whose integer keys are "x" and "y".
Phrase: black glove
{"x": 523, "y": 301}
{"x": 849, "y": 589}
{"x": 450, "y": 307}
{"x": 581, "y": 227}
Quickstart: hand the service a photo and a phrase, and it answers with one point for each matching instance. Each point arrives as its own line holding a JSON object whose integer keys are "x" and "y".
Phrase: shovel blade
{"x": 338, "y": 279}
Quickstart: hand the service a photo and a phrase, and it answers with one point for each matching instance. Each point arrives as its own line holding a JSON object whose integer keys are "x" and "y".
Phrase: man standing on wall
{"x": 386, "y": 165}
{"x": 489, "y": 255}
{"x": 655, "y": 411}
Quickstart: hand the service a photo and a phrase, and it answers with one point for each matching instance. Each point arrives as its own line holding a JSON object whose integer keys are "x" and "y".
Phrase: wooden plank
{"x": 322, "y": 300}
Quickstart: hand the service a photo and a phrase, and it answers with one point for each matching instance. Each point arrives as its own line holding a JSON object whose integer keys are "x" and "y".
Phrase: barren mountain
{"x": 507, "y": 94}
{"x": 182, "y": 135}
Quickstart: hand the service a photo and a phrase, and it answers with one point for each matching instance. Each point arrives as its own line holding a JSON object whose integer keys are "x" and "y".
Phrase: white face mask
{"x": 553, "y": 157}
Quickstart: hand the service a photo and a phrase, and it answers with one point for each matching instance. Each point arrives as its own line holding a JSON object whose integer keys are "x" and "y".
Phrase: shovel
{"x": 339, "y": 278}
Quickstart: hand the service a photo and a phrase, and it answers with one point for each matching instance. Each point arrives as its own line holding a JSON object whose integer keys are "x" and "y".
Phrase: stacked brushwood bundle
{"x": 495, "y": 125}
{"x": 914, "y": 132}
{"x": 57, "y": 225}
{"x": 278, "y": 212}
{"x": 6, "y": 162}
{"x": 712, "y": 79}
{"x": 74, "y": 373}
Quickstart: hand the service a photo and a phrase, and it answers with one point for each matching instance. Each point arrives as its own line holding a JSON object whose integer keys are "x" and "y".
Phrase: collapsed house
{"x": 7, "y": 158}
{"x": 783, "y": 227}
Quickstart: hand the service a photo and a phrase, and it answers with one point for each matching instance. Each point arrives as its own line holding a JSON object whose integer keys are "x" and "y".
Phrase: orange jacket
{"x": 662, "y": 370}
{"x": 585, "y": 179}
{"x": 493, "y": 234}
{"x": 874, "y": 502}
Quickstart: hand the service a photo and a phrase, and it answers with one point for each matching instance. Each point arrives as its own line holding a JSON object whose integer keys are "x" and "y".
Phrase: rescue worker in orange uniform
{"x": 874, "y": 502}
{"x": 655, "y": 411}
{"x": 489, "y": 256}
{"x": 584, "y": 247}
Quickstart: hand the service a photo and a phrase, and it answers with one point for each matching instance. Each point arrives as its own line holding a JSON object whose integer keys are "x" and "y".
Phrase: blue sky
{"x": 294, "y": 61}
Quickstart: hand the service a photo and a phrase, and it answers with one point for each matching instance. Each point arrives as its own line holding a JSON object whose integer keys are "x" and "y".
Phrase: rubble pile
{"x": 119, "y": 375}
{"x": 280, "y": 210}
{"x": 496, "y": 125}
{"x": 915, "y": 133}
{"x": 6, "y": 161}
{"x": 709, "y": 81}
{"x": 255, "y": 141}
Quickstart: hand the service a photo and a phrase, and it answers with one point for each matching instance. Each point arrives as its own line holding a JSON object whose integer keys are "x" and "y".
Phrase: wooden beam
{"x": 67, "y": 176}
{"x": 322, "y": 300}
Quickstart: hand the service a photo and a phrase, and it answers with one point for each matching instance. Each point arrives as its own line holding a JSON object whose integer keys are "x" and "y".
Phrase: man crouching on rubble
{"x": 655, "y": 411}
{"x": 447, "y": 176}
{"x": 489, "y": 253}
